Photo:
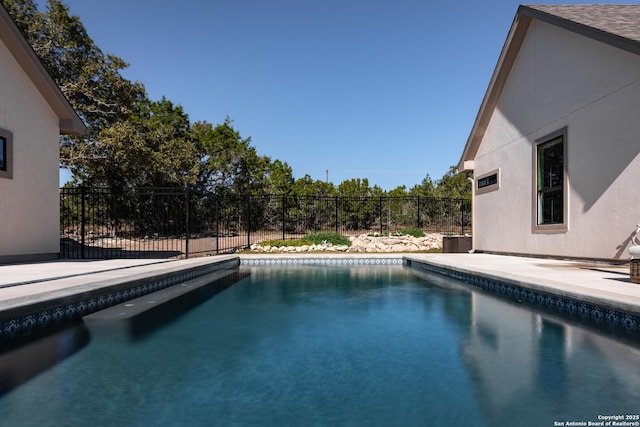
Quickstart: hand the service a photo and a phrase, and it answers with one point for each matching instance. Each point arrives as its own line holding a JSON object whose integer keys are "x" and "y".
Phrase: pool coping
{"x": 80, "y": 294}
{"x": 598, "y": 306}
{"x": 72, "y": 297}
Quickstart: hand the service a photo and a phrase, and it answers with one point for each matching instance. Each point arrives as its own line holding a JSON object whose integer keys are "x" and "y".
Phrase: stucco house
{"x": 555, "y": 147}
{"x": 33, "y": 113}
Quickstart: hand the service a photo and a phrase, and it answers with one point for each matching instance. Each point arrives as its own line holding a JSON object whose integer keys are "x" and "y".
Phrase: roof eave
{"x": 602, "y": 36}
{"x": 72, "y": 127}
{"x": 522, "y": 20}
{"x": 69, "y": 121}
{"x": 506, "y": 60}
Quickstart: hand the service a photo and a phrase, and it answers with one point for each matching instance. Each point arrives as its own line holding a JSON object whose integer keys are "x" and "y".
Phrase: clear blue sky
{"x": 381, "y": 89}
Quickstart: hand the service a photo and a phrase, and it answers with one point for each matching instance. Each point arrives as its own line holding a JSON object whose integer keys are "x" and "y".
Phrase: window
{"x": 3, "y": 154}
{"x": 488, "y": 182}
{"x": 551, "y": 194}
{"x": 6, "y": 145}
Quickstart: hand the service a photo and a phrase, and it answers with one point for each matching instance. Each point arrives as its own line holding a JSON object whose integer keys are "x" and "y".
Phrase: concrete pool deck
{"x": 34, "y": 282}
{"x": 25, "y": 287}
{"x": 602, "y": 284}
{"x": 39, "y": 295}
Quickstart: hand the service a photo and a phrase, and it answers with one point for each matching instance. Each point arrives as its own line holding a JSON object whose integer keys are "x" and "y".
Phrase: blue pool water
{"x": 333, "y": 346}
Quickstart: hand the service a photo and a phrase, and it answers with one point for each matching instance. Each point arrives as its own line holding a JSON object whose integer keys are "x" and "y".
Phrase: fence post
{"x": 82, "y": 221}
{"x": 217, "y": 214}
{"x": 248, "y": 220}
{"x": 283, "y": 214}
{"x": 187, "y": 196}
{"x": 462, "y": 218}
{"x": 337, "y": 221}
{"x": 389, "y": 215}
{"x": 380, "y": 206}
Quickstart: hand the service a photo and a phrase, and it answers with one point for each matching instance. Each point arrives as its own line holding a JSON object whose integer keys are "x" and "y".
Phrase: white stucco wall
{"x": 29, "y": 203}
{"x": 561, "y": 79}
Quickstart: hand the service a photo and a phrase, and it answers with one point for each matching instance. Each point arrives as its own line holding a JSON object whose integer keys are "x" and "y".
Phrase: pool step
{"x": 78, "y": 297}
{"x": 204, "y": 286}
{"x": 135, "y": 319}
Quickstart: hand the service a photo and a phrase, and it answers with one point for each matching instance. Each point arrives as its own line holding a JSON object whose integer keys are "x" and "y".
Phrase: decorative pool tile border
{"x": 42, "y": 319}
{"x": 270, "y": 261}
{"x": 612, "y": 318}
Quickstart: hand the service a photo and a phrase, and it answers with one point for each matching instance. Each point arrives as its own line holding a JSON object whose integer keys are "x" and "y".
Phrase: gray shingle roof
{"x": 615, "y": 24}
{"x": 622, "y": 20}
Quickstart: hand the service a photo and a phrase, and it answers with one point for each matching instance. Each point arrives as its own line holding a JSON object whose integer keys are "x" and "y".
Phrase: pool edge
{"x": 40, "y": 314}
{"x": 602, "y": 311}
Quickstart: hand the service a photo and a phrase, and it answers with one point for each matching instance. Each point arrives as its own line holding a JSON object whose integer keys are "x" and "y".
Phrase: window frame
{"x": 491, "y": 187}
{"x": 558, "y": 227}
{"x": 7, "y": 144}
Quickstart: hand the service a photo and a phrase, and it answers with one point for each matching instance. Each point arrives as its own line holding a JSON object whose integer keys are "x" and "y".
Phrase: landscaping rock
{"x": 366, "y": 243}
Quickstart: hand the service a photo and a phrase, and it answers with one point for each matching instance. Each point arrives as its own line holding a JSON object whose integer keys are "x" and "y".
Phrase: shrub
{"x": 328, "y": 237}
{"x": 288, "y": 242}
{"x": 415, "y": 232}
{"x": 311, "y": 239}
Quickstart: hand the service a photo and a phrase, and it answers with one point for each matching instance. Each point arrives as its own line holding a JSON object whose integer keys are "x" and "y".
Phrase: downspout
{"x": 473, "y": 213}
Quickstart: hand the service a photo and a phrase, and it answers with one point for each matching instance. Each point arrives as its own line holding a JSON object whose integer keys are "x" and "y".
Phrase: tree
{"x": 152, "y": 148}
{"x": 306, "y": 186}
{"x": 26, "y": 16}
{"x": 132, "y": 141}
{"x": 358, "y": 208}
{"x": 87, "y": 77}
{"x": 426, "y": 189}
{"x": 354, "y": 187}
{"x": 399, "y": 191}
{"x": 90, "y": 79}
{"x": 453, "y": 185}
{"x": 280, "y": 178}
{"x": 228, "y": 163}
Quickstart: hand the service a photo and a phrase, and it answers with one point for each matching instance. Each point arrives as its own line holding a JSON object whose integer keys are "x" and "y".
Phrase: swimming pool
{"x": 334, "y": 345}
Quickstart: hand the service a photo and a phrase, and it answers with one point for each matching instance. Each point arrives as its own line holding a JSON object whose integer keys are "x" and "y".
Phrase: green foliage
{"x": 320, "y": 238}
{"x": 453, "y": 185}
{"x": 287, "y": 242}
{"x": 400, "y": 191}
{"x": 306, "y": 186}
{"x": 328, "y": 237}
{"x": 152, "y": 148}
{"x": 426, "y": 189}
{"x": 229, "y": 164}
{"x": 355, "y": 187}
{"x": 415, "y": 232}
{"x": 134, "y": 141}
{"x": 281, "y": 180}
{"x": 88, "y": 78}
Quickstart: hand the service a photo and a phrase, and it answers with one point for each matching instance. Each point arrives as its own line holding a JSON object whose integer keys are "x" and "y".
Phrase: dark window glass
{"x": 551, "y": 181}
{"x": 3, "y": 154}
{"x": 488, "y": 180}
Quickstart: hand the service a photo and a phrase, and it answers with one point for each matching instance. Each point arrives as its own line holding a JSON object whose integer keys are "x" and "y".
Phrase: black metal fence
{"x": 177, "y": 222}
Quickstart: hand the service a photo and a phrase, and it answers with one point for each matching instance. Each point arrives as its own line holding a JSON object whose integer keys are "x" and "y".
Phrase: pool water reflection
{"x": 338, "y": 346}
